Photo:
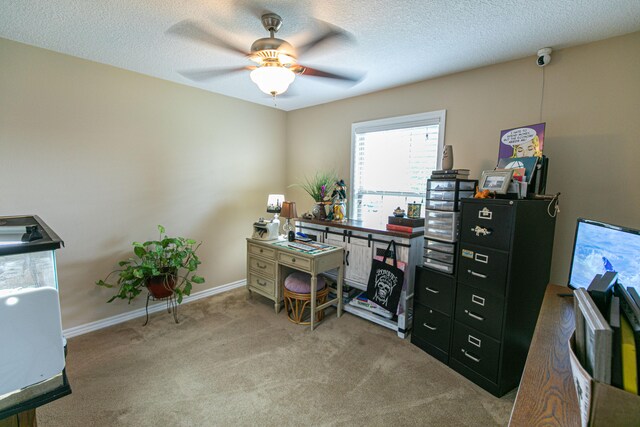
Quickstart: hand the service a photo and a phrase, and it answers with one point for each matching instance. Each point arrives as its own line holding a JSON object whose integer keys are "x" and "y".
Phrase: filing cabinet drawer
{"x": 265, "y": 285}
{"x": 483, "y": 268}
{"x": 262, "y": 251}
{"x": 476, "y": 350}
{"x": 299, "y": 263}
{"x": 480, "y": 310}
{"x": 434, "y": 290}
{"x": 432, "y": 326}
{"x": 486, "y": 225}
{"x": 266, "y": 268}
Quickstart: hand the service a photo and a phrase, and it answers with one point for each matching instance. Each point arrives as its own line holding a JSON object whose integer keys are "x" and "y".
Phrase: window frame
{"x": 390, "y": 123}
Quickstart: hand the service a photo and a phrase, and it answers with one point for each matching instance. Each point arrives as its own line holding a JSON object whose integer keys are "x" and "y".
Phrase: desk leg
{"x": 340, "y": 280}
{"x": 314, "y": 285}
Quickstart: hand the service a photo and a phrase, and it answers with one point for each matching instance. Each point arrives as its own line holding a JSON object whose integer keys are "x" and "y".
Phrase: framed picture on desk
{"x": 496, "y": 180}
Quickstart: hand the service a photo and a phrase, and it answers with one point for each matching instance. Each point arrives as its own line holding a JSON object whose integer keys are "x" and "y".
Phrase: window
{"x": 391, "y": 160}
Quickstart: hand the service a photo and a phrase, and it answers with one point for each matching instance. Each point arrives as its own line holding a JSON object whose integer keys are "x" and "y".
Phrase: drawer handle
{"x": 474, "y": 316}
{"x": 261, "y": 250}
{"x": 482, "y": 258}
{"x": 432, "y": 328}
{"x": 293, "y": 260}
{"x": 261, "y": 266}
{"x": 485, "y": 213}
{"x": 484, "y": 231}
{"x": 480, "y": 275}
{"x": 477, "y": 300}
{"x": 433, "y": 291}
{"x": 261, "y": 283}
{"x": 475, "y": 359}
{"x": 346, "y": 258}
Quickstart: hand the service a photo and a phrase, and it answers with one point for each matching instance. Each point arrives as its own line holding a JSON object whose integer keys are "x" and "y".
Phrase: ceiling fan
{"x": 276, "y": 59}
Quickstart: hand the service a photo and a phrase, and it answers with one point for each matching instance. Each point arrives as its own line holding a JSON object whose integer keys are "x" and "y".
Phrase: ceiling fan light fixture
{"x": 273, "y": 80}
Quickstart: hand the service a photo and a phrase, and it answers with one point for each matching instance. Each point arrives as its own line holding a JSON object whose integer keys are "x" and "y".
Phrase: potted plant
{"x": 166, "y": 267}
{"x": 319, "y": 187}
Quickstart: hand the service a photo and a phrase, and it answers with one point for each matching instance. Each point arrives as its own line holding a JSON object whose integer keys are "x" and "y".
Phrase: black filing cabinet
{"x": 503, "y": 269}
{"x": 480, "y": 321}
{"x": 433, "y": 312}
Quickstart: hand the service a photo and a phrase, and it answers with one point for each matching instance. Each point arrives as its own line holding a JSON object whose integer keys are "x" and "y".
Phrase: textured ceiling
{"x": 396, "y": 42}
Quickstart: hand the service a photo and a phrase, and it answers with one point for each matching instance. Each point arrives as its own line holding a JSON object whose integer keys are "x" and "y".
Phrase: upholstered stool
{"x": 297, "y": 296}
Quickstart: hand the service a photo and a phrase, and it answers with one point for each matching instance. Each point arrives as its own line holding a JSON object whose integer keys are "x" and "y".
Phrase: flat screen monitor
{"x": 599, "y": 247}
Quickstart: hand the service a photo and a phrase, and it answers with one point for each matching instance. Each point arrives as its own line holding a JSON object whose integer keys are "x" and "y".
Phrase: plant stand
{"x": 172, "y": 305}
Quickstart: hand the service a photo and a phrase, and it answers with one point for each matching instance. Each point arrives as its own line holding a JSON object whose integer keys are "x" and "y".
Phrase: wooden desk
{"x": 547, "y": 395}
{"x": 268, "y": 263}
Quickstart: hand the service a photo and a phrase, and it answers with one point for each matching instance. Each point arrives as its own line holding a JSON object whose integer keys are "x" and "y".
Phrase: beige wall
{"x": 591, "y": 107}
{"x": 104, "y": 155}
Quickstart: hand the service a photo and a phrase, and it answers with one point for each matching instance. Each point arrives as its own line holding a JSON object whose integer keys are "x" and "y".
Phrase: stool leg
{"x": 314, "y": 283}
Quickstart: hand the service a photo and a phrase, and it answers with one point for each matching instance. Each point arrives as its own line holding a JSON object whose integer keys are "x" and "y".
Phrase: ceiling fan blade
{"x": 204, "y": 74}
{"x": 191, "y": 30}
{"x": 330, "y": 32}
{"x": 314, "y": 72}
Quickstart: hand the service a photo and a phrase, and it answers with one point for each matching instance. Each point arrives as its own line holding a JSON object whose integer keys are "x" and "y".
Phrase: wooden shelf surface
{"x": 547, "y": 395}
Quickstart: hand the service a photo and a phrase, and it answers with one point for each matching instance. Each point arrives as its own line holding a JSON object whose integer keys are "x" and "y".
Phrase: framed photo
{"x": 496, "y": 180}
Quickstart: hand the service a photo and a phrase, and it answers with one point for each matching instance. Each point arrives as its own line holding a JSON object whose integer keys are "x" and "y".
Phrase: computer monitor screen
{"x": 599, "y": 247}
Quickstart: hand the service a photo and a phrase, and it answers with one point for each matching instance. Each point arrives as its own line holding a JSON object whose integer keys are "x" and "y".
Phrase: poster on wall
{"x": 524, "y": 141}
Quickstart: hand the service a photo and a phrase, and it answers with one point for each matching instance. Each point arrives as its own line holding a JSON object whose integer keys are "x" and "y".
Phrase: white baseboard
{"x": 110, "y": 321}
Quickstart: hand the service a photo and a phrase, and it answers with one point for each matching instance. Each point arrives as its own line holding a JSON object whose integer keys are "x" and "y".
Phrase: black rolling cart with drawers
{"x": 480, "y": 320}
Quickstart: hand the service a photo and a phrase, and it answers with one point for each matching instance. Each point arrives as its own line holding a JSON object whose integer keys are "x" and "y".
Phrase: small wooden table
{"x": 269, "y": 261}
{"x": 547, "y": 395}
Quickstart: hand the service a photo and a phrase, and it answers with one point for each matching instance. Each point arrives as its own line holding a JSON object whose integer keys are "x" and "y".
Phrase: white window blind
{"x": 391, "y": 162}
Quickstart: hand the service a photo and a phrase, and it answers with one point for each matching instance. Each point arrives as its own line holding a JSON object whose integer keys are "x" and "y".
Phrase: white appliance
{"x": 31, "y": 346}
{"x": 266, "y": 230}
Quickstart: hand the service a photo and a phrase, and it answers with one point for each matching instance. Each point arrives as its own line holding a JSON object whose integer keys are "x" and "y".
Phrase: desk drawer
{"x": 480, "y": 310}
{"x": 434, "y": 289}
{"x": 266, "y": 268}
{"x": 265, "y": 285}
{"x": 483, "y": 268}
{"x": 476, "y": 350}
{"x": 486, "y": 225}
{"x": 297, "y": 262}
{"x": 262, "y": 251}
{"x": 432, "y": 326}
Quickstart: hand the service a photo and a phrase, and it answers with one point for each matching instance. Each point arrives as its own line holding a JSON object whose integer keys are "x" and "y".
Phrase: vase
{"x": 447, "y": 157}
{"x": 319, "y": 211}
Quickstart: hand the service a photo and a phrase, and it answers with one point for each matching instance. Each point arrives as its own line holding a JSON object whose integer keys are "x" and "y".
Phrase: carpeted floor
{"x": 233, "y": 361}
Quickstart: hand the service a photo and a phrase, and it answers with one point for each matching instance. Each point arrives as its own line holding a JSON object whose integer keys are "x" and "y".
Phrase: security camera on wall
{"x": 544, "y": 57}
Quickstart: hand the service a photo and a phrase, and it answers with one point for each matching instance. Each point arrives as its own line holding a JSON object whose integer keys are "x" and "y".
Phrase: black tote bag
{"x": 385, "y": 281}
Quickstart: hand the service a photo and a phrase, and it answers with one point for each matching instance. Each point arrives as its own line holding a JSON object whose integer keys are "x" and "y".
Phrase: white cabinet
{"x": 357, "y": 257}
{"x": 361, "y": 244}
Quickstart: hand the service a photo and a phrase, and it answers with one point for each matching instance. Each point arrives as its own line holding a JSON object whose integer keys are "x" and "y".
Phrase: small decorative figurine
{"x": 484, "y": 194}
{"x": 398, "y": 212}
{"x": 339, "y": 197}
{"x": 447, "y": 157}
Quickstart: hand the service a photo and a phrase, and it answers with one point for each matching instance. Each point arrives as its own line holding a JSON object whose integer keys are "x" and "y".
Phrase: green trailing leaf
{"x": 164, "y": 257}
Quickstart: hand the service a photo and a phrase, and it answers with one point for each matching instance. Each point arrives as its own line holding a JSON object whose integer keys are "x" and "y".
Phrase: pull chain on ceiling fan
{"x": 276, "y": 59}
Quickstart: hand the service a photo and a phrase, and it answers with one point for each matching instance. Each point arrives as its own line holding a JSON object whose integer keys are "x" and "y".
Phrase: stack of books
{"x": 607, "y": 336}
{"x": 361, "y": 301}
{"x": 450, "y": 174}
{"x": 348, "y": 292}
{"x": 405, "y": 224}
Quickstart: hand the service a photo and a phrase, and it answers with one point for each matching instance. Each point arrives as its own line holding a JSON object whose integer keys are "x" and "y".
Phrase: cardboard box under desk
{"x": 602, "y": 404}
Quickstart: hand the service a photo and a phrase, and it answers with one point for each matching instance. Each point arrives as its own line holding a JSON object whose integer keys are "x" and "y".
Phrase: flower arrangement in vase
{"x": 319, "y": 188}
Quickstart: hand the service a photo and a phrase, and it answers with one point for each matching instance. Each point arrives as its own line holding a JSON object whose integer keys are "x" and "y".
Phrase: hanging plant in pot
{"x": 166, "y": 267}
